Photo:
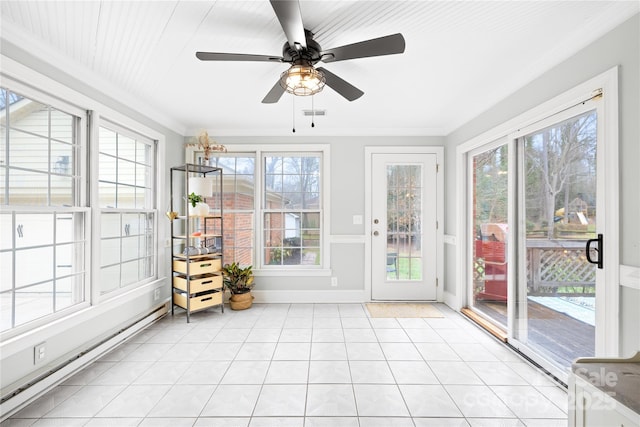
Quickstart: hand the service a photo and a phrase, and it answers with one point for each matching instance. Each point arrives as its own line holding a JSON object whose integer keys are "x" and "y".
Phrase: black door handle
{"x": 599, "y": 249}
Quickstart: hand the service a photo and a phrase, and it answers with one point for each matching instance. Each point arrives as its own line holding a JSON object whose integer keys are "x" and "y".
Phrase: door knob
{"x": 375, "y": 233}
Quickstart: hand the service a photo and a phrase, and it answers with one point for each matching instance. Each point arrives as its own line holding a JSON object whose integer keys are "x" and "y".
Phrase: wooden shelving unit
{"x": 197, "y": 244}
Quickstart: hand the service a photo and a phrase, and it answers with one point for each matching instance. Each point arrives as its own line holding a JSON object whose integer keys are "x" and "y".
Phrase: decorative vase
{"x": 201, "y": 209}
{"x": 241, "y": 301}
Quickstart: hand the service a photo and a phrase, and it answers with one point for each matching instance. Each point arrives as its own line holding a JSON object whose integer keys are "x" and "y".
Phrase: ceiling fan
{"x": 303, "y": 52}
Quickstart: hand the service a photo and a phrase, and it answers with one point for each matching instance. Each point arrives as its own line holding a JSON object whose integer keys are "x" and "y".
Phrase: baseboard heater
{"x": 27, "y": 393}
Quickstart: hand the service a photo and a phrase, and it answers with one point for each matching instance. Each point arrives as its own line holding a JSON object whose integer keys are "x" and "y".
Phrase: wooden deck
{"x": 555, "y": 334}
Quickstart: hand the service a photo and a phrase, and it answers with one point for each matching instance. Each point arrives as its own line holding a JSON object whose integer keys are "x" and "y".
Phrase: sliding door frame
{"x": 607, "y": 322}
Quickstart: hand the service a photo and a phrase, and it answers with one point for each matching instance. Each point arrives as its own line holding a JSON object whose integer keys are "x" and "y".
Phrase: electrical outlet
{"x": 156, "y": 294}
{"x": 39, "y": 353}
{"x": 334, "y": 281}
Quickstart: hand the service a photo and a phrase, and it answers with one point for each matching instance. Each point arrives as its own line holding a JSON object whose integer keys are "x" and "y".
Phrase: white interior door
{"x": 404, "y": 226}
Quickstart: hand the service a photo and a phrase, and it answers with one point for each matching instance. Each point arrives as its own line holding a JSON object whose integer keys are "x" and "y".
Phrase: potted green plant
{"x": 239, "y": 281}
{"x": 198, "y": 207}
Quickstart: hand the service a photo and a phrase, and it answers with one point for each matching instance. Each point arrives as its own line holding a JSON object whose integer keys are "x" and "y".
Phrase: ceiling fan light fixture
{"x": 302, "y": 79}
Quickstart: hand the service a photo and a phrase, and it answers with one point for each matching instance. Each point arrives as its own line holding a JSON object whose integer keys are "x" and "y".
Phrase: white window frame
{"x": 324, "y": 269}
{"x": 130, "y": 130}
{"x": 80, "y": 200}
{"x": 264, "y": 211}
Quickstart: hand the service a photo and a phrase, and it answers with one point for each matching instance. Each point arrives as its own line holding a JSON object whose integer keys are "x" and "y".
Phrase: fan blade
{"x": 274, "y": 94}
{"x": 387, "y": 45}
{"x": 290, "y": 17}
{"x": 215, "y": 56}
{"x": 349, "y": 91}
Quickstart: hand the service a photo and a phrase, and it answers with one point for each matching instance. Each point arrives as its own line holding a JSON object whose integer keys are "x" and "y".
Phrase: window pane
{"x": 145, "y": 266}
{"x": 273, "y": 183}
{"x": 109, "y": 251}
{"x": 107, "y": 195}
{"x": 30, "y": 116}
{"x": 109, "y": 279}
{"x": 143, "y": 153}
{"x": 28, "y": 259}
{"x": 61, "y": 155}
{"x": 6, "y": 311}
{"x": 65, "y": 228}
{"x": 108, "y": 142}
{"x": 66, "y": 292}
{"x": 143, "y": 176}
{"x": 33, "y": 302}
{"x": 3, "y": 146}
{"x": 62, "y": 127}
{"x": 28, "y": 151}
{"x": 130, "y": 273}
{"x": 62, "y": 191}
{"x": 65, "y": 260}
{"x": 109, "y": 225}
{"x": 126, "y": 147}
{"x": 129, "y": 248}
{"x": 6, "y": 271}
{"x": 107, "y": 168}
{"x": 126, "y": 172}
{"x": 6, "y": 231}
{"x": 311, "y": 257}
{"x": 126, "y": 197}
{"x": 34, "y": 229}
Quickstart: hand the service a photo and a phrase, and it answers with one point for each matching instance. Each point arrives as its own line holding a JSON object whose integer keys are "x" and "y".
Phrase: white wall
{"x": 619, "y": 47}
{"x": 347, "y": 198}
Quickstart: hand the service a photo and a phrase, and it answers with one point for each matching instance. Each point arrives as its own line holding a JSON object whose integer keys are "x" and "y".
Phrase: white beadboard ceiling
{"x": 461, "y": 58}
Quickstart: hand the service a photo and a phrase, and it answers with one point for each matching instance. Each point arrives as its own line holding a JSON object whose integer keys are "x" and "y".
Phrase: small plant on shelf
{"x": 195, "y": 198}
{"x": 198, "y": 207}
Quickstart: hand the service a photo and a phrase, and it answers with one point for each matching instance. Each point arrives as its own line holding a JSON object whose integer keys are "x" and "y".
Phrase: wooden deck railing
{"x": 554, "y": 267}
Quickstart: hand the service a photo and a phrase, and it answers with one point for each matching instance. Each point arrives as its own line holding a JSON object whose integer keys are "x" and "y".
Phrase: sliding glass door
{"x": 489, "y": 222}
{"x": 556, "y": 288}
{"x": 533, "y": 200}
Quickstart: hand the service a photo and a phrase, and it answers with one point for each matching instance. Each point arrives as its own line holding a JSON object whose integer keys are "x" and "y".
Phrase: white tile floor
{"x": 311, "y": 365}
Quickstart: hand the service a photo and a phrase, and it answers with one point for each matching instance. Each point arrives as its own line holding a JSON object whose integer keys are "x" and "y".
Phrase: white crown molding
{"x": 33, "y": 47}
{"x": 304, "y": 129}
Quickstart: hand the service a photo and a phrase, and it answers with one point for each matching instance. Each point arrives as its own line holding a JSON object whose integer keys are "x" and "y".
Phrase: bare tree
{"x": 552, "y": 155}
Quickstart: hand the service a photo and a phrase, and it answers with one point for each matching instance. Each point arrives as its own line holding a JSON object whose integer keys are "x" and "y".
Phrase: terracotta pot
{"x": 241, "y": 301}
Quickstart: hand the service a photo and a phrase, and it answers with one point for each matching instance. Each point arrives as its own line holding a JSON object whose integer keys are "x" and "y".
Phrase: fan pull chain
{"x": 313, "y": 112}
{"x": 293, "y": 113}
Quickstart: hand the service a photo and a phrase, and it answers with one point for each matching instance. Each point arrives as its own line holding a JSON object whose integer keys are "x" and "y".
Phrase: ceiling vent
{"x": 314, "y": 112}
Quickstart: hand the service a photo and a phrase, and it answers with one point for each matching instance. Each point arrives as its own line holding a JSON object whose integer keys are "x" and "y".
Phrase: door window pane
{"x": 558, "y": 303}
{"x": 404, "y": 218}
{"x": 489, "y": 263}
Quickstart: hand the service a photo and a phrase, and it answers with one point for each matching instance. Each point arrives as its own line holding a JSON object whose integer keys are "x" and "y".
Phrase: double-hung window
{"x": 291, "y": 209}
{"x": 238, "y": 177}
{"x": 273, "y": 206}
{"x": 43, "y": 236}
{"x": 126, "y": 201}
